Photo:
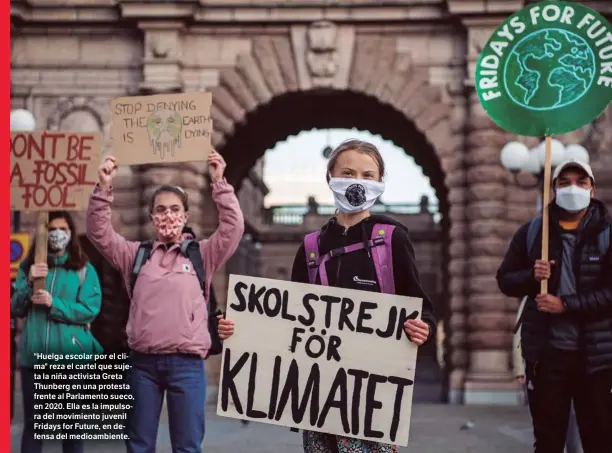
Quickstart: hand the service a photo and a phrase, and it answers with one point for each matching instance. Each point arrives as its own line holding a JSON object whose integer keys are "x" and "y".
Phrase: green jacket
{"x": 63, "y": 328}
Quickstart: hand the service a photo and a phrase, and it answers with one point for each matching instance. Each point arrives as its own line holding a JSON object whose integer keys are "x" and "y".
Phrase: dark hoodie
{"x": 590, "y": 308}
{"x": 356, "y": 270}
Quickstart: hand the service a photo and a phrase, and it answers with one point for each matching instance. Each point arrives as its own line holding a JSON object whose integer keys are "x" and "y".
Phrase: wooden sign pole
{"x": 545, "y": 202}
{"x": 40, "y": 253}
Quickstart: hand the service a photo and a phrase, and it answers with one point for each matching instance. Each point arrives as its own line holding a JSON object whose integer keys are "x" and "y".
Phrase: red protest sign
{"x": 53, "y": 170}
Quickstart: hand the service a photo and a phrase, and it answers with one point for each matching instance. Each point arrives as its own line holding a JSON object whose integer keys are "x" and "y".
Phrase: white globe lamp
{"x": 577, "y": 152}
{"x": 533, "y": 164}
{"x": 22, "y": 121}
{"x": 557, "y": 152}
{"x": 513, "y": 156}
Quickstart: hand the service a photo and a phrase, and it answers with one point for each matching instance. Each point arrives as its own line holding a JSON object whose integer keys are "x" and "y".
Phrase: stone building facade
{"x": 402, "y": 69}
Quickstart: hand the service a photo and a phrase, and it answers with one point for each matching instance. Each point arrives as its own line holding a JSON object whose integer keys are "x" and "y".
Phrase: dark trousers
{"x": 28, "y": 443}
{"x": 573, "y": 444}
{"x": 182, "y": 379}
{"x": 553, "y": 382}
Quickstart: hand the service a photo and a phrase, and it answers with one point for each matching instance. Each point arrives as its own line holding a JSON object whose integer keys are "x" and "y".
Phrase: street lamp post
{"x": 21, "y": 121}
{"x": 516, "y": 157}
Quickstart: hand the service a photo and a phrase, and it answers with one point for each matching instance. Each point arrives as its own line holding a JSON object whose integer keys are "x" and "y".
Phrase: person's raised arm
{"x": 225, "y": 240}
{"x": 114, "y": 248}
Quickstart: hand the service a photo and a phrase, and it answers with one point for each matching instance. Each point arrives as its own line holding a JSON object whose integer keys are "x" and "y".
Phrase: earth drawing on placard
{"x": 165, "y": 128}
{"x": 549, "y": 69}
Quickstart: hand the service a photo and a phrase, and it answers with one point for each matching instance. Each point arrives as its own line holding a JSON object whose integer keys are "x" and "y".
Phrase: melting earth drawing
{"x": 164, "y": 128}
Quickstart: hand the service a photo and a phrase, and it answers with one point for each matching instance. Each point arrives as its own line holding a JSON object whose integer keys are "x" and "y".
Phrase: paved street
{"x": 435, "y": 429}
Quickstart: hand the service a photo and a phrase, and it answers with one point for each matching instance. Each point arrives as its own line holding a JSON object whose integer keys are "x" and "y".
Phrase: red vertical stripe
{"x": 5, "y": 73}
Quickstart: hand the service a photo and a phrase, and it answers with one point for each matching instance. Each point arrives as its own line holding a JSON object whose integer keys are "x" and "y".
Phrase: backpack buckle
{"x": 336, "y": 252}
{"x": 378, "y": 240}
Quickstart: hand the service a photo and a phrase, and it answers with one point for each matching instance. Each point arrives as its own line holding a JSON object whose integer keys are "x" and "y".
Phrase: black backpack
{"x": 603, "y": 238}
{"x": 191, "y": 250}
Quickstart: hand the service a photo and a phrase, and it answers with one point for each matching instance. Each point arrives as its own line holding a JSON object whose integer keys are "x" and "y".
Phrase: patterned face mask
{"x": 169, "y": 224}
{"x": 58, "y": 240}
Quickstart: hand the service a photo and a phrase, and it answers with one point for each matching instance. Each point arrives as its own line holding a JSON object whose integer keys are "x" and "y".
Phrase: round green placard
{"x": 547, "y": 69}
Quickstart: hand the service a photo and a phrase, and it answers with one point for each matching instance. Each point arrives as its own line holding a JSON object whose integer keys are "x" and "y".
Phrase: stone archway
{"x": 264, "y": 99}
{"x": 270, "y": 72}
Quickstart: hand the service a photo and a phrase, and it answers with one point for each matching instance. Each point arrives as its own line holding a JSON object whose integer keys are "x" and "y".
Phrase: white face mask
{"x": 58, "y": 240}
{"x": 573, "y": 198}
{"x": 355, "y": 195}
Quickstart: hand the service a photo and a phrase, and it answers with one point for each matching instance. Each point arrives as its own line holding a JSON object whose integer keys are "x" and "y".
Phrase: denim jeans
{"x": 28, "y": 443}
{"x": 182, "y": 379}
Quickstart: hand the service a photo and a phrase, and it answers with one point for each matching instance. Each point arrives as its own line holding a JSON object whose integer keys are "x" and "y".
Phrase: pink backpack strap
{"x": 315, "y": 263}
{"x": 311, "y": 250}
{"x": 332, "y": 254}
{"x": 383, "y": 257}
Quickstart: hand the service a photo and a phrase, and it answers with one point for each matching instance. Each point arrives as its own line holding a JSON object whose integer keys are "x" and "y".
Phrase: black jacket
{"x": 356, "y": 270}
{"x": 591, "y": 308}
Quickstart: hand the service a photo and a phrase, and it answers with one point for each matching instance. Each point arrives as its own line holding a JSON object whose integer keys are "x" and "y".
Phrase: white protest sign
{"x": 319, "y": 358}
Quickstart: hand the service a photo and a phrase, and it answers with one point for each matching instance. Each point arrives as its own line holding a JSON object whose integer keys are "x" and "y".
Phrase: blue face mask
{"x": 573, "y": 198}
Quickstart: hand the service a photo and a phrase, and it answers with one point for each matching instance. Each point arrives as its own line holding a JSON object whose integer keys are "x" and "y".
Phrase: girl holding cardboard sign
{"x": 169, "y": 327}
{"x": 57, "y": 321}
{"x": 361, "y": 251}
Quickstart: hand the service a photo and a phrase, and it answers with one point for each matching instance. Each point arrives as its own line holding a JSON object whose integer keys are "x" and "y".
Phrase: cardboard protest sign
{"x": 53, "y": 170}
{"x": 161, "y": 128}
{"x": 547, "y": 69}
{"x": 319, "y": 358}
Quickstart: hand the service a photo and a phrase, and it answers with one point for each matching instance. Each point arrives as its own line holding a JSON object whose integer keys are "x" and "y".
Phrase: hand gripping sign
{"x": 319, "y": 358}
{"x": 546, "y": 70}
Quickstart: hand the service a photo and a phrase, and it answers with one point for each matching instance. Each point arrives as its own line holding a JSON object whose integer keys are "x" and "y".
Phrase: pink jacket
{"x": 168, "y": 310}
